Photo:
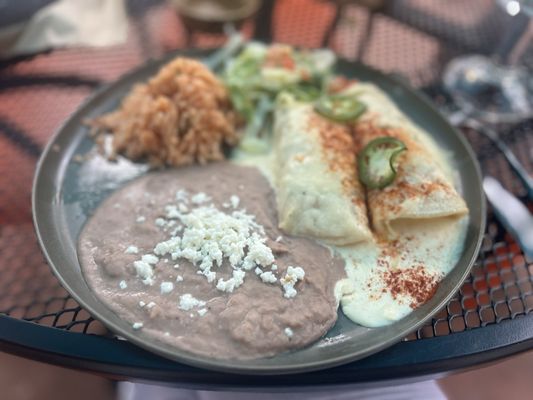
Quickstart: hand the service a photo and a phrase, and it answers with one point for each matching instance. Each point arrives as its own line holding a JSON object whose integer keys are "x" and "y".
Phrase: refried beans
{"x": 256, "y": 319}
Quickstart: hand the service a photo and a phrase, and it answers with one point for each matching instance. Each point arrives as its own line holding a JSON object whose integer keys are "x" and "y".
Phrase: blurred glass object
{"x": 212, "y": 15}
{"x": 490, "y": 89}
{"x": 514, "y": 7}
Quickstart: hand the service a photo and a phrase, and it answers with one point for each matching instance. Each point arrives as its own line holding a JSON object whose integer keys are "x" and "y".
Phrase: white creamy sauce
{"x": 365, "y": 296}
{"x": 264, "y": 162}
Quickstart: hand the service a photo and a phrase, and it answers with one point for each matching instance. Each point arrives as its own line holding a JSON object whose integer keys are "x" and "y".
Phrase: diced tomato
{"x": 279, "y": 57}
{"x": 339, "y": 83}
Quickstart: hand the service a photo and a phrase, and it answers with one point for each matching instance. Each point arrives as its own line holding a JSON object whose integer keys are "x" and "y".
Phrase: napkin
{"x": 67, "y": 23}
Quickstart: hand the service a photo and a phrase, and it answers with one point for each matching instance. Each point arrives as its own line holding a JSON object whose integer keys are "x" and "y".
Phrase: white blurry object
{"x": 512, "y": 213}
{"x": 69, "y": 23}
{"x": 427, "y": 390}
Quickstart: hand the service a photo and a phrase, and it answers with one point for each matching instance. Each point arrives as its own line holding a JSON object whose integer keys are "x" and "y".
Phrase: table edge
{"x": 121, "y": 360}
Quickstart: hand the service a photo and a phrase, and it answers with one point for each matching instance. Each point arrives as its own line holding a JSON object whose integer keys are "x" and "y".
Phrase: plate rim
{"x": 232, "y": 365}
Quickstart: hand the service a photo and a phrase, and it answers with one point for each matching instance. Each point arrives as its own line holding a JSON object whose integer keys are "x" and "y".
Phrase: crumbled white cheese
{"x": 234, "y": 201}
{"x": 249, "y": 219}
{"x": 150, "y": 305}
{"x": 142, "y": 304}
{"x": 160, "y": 222}
{"x": 132, "y": 250}
{"x": 166, "y": 287}
{"x": 232, "y": 283}
{"x": 288, "y": 331}
{"x": 172, "y": 212}
{"x": 211, "y": 236}
{"x": 188, "y": 302}
{"x": 274, "y": 267}
{"x": 176, "y": 266}
{"x": 202, "y": 311}
{"x": 293, "y": 275}
{"x": 148, "y": 281}
{"x": 149, "y": 259}
{"x": 179, "y": 278}
{"x": 137, "y": 325}
{"x": 140, "y": 219}
{"x": 200, "y": 198}
{"x": 290, "y": 291}
{"x": 210, "y": 275}
{"x": 122, "y": 284}
{"x": 268, "y": 277}
{"x": 161, "y": 249}
{"x": 238, "y": 275}
{"x": 226, "y": 286}
{"x": 258, "y": 253}
{"x": 144, "y": 271}
{"x": 279, "y": 239}
{"x": 296, "y": 271}
{"x": 169, "y": 246}
{"x": 226, "y": 205}
{"x": 182, "y": 195}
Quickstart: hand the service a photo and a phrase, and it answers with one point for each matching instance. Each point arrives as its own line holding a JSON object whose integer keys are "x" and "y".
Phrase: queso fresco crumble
{"x": 206, "y": 236}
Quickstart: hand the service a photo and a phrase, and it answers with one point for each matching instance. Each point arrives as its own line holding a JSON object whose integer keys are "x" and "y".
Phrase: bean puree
{"x": 255, "y": 320}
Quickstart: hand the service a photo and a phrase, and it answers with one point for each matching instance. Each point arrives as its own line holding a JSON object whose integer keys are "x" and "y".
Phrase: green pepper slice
{"x": 304, "y": 92}
{"x": 340, "y": 108}
{"x": 376, "y": 162}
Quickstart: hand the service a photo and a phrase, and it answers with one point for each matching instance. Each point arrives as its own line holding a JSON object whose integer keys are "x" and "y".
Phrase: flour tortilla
{"x": 318, "y": 193}
{"x": 423, "y": 188}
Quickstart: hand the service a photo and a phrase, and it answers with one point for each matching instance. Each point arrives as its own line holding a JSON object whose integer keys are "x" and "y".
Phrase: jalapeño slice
{"x": 376, "y": 162}
{"x": 304, "y": 92}
{"x": 340, "y": 108}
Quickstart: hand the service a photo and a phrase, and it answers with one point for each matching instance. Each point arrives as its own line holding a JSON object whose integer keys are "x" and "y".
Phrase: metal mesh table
{"x": 489, "y": 318}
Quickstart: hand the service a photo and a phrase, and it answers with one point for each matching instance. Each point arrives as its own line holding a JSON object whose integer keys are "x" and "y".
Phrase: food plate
{"x": 66, "y": 192}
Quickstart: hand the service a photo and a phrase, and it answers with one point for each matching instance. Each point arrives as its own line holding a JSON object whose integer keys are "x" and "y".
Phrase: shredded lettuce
{"x": 260, "y": 74}
{"x": 249, "y": 78}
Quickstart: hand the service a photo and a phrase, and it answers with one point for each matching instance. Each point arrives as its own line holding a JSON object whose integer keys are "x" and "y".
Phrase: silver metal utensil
{"x": 514, "y": 163}
{"x": 517, "y": 167}
{"x": 512, "y": 213}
